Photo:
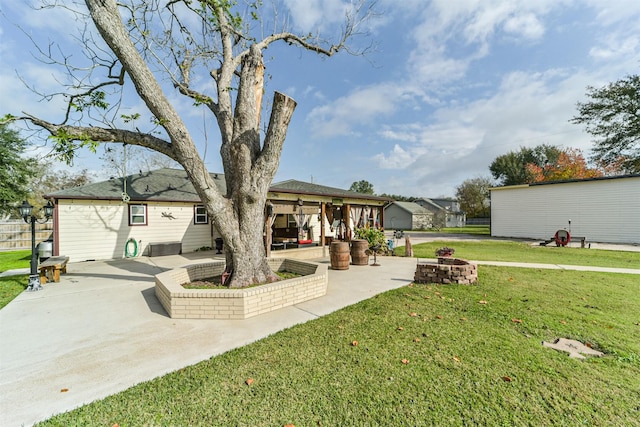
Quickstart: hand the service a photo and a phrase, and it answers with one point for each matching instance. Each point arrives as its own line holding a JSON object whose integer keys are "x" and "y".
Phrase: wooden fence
{"x": 16, "y": 235}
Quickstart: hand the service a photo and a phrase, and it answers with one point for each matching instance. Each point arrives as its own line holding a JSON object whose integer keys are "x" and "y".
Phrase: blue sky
{"x": 451, "y": 85}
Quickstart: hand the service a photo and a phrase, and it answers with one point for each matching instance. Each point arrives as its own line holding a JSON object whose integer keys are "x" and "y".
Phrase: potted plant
{"x": 445, "y": 252}
{"x": 374, "y": 237}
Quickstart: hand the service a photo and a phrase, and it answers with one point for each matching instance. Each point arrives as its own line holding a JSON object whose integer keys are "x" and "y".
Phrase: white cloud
{"x": 526, "y": 25}
{"x": 398, "y": 158}
{"x": 316, "y": 15}
{"x": 617, "y": 46}
{"x": 615, "y": 12}
{"x": 528, "y": 109}
{"x": 341, "y": 116}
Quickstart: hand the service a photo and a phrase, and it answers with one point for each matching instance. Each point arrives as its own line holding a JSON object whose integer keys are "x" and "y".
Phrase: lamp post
{"x": 26, "y": 211}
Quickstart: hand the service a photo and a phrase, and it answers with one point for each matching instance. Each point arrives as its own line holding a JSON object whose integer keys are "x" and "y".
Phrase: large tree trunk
{"x": 249, "y": 166}
{"x": 249, "y": 170}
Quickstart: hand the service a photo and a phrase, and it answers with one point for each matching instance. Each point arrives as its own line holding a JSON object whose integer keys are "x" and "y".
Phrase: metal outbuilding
{"x": 603, "y": 209}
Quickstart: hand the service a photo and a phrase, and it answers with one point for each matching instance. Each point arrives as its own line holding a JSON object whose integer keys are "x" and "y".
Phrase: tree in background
{"x": 399, "y": 198}
{"x": 570, "y": 164}
{"x": 512, "y": 168}
{"x": 122, "y": 161}
{"x": 474, "y": 198}
{"x": 362, "y": 186}
{"x": 15, "y": 171}
{"x": 48, "y": 180}
{"x": 211, "y": 53}
{"x": 612, "y": 116}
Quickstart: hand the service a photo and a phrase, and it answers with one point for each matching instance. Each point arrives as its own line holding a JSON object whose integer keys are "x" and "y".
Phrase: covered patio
{"x": 301, "y": 215}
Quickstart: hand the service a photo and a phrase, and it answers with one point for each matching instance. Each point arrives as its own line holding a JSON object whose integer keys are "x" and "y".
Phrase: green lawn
{"x": 419, "y": 355}
{"x": 12, "y": 260}
{"x": 468, "y": 229}
{"x": 495, "y": 250}
{"x": 10, "y": 287}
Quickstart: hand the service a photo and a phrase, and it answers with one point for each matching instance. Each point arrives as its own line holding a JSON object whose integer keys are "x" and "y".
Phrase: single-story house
{"x": 407, "y": 216}
{"x": 446, "y": 212}
{"x": 159, "y": 212}
{"x": 600, "y": 209}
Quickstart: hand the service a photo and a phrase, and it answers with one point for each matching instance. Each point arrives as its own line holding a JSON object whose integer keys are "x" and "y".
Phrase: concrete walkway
{"x": 101, "y": 330}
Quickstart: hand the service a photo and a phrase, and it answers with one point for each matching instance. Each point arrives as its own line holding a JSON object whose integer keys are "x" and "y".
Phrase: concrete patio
{"x": 101, "y": 330}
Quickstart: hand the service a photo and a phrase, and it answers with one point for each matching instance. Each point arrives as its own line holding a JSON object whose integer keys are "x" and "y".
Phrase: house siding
{"x": 605, "y": 210}
{"x": 96, "y": 230}
{"x": 396, "y": 218}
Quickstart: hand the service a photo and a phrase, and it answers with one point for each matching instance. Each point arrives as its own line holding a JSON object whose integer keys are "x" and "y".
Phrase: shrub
{"x": 374, "y": 236}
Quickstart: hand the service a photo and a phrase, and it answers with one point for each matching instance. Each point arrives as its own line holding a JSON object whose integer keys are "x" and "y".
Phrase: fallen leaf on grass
{"x": 400, "y": 328}
{"x": 457, "y": 359}
{"x": 506, "y": 378}
{"x": 249, "y": 381}
{"x": 116, "y": 425}
{"x": 405, "y": 361}
{"x": 438, "y": 317}
{"x": 413, "y": 314}
{"x": 564, "y": 322}
{"x": 516, "y": 320}
{"x": 416, "y": 339}
{"x": 482, "y": 302}
{"x": 464, "y": 319}
{"x": 354, "y": 343}
{"x": 427, "y": 297}
{"x": 437, "y": 293}
{"x": 289, "y": 425}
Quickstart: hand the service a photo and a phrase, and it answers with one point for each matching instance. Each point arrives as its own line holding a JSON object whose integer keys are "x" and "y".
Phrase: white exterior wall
{"x": 96, "y": 230}
{"x": 605, "y": 210}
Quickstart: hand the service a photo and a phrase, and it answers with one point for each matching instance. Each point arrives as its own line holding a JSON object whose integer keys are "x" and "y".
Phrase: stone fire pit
{"x": 447, "y": 270}
{"x": 238, "y": 303}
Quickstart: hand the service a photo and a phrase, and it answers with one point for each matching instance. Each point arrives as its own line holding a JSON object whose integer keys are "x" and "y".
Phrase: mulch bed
{"x": 215, "y": 282}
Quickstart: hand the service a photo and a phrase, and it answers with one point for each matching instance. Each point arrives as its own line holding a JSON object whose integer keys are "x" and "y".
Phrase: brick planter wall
{"x": 238, "y": 303}
{"x": 447, "y": 270}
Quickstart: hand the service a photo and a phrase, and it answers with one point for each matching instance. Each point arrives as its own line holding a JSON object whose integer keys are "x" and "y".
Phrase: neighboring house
{"x": 446, "y": 212}
{"x": 160, "y": 210}
{"x": 600, "y": 209}
{"x": 407, "y": 216}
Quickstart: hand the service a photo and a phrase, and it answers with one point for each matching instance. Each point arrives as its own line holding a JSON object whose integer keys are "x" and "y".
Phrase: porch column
{"x": 322, "y": 219}
{"x": 347, "y": 222}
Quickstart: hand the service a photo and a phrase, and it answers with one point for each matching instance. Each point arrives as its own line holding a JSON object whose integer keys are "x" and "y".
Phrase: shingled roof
{"x": 412, "y": 208}
{"x": 293, "y": 186}
{"x": 173, "y": 185}
{"x": 159, "y": 185}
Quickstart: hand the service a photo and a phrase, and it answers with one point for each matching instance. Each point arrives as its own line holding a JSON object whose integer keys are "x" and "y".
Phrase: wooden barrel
{"x": 339, "y": 253}
{"x": 359, "y": 252}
